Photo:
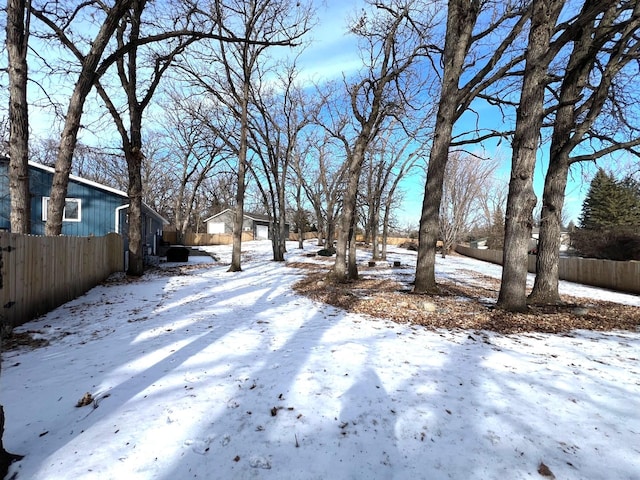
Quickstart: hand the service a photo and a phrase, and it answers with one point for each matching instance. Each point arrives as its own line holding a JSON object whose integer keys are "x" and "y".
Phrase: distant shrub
{"x": 413, "y": 246}
{"x": 620, "y": 245}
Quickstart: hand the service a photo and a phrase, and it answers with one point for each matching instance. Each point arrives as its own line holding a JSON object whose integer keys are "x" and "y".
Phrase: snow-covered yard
{"x": 214, "y": 375}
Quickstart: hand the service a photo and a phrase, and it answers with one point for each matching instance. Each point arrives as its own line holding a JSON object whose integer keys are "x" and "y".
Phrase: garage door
{"x": 262, "y": 232}
{"x": 213, "y": 227}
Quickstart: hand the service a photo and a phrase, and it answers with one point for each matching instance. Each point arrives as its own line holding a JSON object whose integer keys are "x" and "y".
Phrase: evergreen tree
{"x": 495, "y": 241}
{"x": 631, "y": 188}
{"x": 611, "y": 203}
{"x": 610, "y": 219}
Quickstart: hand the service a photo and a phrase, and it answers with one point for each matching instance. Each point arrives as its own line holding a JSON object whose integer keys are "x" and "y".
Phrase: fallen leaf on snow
{"x": 87, "y": 399}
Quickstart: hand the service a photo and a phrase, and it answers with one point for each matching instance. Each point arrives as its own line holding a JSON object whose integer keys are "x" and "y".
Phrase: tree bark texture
{"x": 136, "y": 249}
{"x": 461, "y": 18}
{"x": 236, "y": 252}
{"x": 545, "y": 288}
{"x": 345, "y": 265}
{"x": 521, "y": 199}
{"x": 17, "y": 39}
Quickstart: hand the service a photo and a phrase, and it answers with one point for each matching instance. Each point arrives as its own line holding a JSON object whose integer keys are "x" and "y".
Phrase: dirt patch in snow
{"x": 461, "y": 306}
{"x": 29, "y": 339}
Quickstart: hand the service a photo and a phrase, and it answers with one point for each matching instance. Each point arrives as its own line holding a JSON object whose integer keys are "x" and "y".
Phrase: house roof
{"x": 84, "y": 181}
{"x": 98, "y": 186}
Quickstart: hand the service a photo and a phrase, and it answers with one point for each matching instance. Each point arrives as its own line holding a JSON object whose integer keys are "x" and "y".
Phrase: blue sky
{"x": 334, "y": 53}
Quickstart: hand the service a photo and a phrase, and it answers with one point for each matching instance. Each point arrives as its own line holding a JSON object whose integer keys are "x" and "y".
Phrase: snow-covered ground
{"x": 217, "y": 375}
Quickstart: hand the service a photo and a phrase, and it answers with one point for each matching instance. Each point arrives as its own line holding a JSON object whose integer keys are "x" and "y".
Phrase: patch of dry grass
{"x": 460, "y": 306}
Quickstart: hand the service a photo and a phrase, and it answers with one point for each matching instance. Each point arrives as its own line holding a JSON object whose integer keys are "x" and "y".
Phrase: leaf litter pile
{"x": 467, "y": 304}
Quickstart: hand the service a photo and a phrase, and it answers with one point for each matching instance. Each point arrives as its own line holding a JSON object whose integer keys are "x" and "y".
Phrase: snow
{"x": 218, "y": 375}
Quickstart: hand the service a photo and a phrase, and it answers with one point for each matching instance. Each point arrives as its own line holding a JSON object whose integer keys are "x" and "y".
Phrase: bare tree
{"x": 128, "y": 36}
{"x": 522, "y": 199}
{"x": 299, "y": 212}
{"x": 580, "y": 102}
{"x": 194, "y": 150}
{"x": 394, "y": 39}
{"x": 17, "y": 39}
{"x": 255, "y": 25}
{"x": 466, "y": 178}
{"x": 546, "y": 40}
{"x": 465, "y": 51}
{"x": 282, "y": 112}
{"x": 321, "y": 173}
{"x": 393, "y": 155}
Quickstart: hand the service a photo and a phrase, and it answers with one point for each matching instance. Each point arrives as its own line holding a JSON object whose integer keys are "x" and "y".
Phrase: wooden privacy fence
{"x": 198, "y": 239}
{"x": 38, "y": 274}
{"x": 359, "y": 238}
{"x": 305, "y": 236}
{"x": 620, "y": 276}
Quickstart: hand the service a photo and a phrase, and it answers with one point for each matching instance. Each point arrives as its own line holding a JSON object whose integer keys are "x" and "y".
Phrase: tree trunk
{"x": 301, "y": 216}
{"x": 567, "y": 133}
{"x": 521, "y": 199}
{"x": 375, "y": 243}
{"x": 181, "y": 220}
{"x": 282, "y": 224}
{"x": 385, "y": 233}
{"x": 17, "y": 40}
{"x": 136, "y": 244}
{"x": 352, "y": 264}
{"x": 238, "y": 220}
{"x": 430, "y": 217}
{"x": 545, "y": 288}
{"x": 461, "y": 18}
{"x": 278, "y": 240}
{"x": 330, "y": 228}
{"x": 321, "y": 227}
{"x": 279, "y": 219}
{"x": 60, "y": 181}
{"x": 346, "y": 231}
{"x": 340, "y": 266}
{"x": 88, "y": 75}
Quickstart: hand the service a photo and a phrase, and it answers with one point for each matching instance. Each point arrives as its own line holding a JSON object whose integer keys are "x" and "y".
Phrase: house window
{"x": 72, "y": 209}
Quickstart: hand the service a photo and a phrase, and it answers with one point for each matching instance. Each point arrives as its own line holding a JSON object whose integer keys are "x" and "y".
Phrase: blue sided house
{"x": 91, "y": 209}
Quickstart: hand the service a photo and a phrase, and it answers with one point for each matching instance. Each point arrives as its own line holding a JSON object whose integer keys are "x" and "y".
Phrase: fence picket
{"x": 620, "y": 276}
{"x": 41, "y": 273}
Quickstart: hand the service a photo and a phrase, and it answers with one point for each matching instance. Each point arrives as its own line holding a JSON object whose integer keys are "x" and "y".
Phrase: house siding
{"x": 99, "y": 207}
{"x": 226, "y": 218}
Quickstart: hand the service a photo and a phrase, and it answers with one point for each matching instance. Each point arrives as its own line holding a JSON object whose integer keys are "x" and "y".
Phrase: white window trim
{"x": 45, "y": 206}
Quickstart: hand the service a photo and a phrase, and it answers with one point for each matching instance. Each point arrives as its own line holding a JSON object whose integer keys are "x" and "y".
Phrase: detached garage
{"x": 256, "y": 224}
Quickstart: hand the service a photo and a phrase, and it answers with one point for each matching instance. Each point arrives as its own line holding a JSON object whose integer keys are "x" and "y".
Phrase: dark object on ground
{"x": 413, "y": 246}
{"x": 177, "y": 253}
{"x": 327, "y": 252}
{"x": 6, "y": 458}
